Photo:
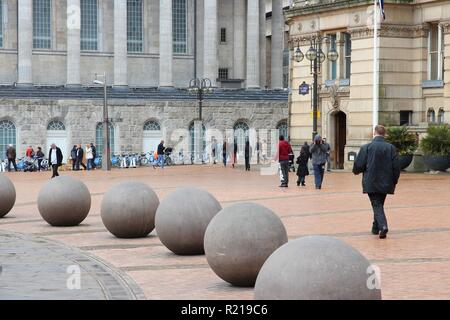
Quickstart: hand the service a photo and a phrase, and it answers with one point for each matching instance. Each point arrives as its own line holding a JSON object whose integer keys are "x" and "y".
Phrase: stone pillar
{"x": 165, "y": 44}
{"x": 253, "y": 53}
{"x": 239, "y": 39}
{"x": 120, "y": 44}
{"x": 277, "y": 44}
{"x": 25, "y": 43}
{"x": 262, "y": 44}
{"x": 446, "y": 31}
{"x": 198, "y": 142}
{"x": 210, "y": 60}
{"x": 73, "y": 43}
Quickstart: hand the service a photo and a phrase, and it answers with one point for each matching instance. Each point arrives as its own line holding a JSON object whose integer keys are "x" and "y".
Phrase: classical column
{"x": 165, "y": 44}
{"x": 277, "y": 44}
{"x": 239, "y": 39}
{"x": 210, "y": 60}
{"x": 120, "y": 44}
{"x": 262, "y": 44}
{"x": 253, "y": 53}
{"x": 25, "y": 43}
{"x": 73, "y": 43}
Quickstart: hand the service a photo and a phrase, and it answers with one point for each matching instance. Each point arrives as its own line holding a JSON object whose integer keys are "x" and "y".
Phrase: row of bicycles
{"x": 26, "y": 164}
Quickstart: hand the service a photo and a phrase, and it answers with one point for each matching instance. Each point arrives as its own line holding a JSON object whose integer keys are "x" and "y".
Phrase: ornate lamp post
{"x": 200, "y": 87}
{"x": 316, "y": 57}
{"x": 106, "y": 157}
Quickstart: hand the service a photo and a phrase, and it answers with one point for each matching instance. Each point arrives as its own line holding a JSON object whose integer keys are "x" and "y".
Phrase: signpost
{"x": 304, "y": 89}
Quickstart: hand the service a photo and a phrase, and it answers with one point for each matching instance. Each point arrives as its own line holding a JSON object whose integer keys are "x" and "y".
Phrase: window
{"x": 282, "y": 128}
{"x": 431, "y": 116}
{"x": 223, "y": 73}
{"x": 179, "y": 12}
{"x": 89, "y": 25}
{"x": 152, "y": 125}
{"x": 56, "y": 126}
{"x": 1, "y": 23}
{"x": 441, "y": 118}
{"x": 241, "y": 134}
{"x": 41, "y": 24}
{"x": 333, "y": 64}
{"x": 435, "y": 52}
{"x": 7, "y": 136}
{"x": 223, "y": 35}
{"x": 347, "y": 55}
{"x": 99, "y": 138}
{"x": 192, "y": 138}
{"x": 134, "y": 26}
{"x": 405, "y": 118}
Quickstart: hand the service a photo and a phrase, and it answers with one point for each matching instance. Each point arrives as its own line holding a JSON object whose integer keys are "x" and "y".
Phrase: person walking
{"x": 224, "y": 152}
{"x": 80, "y": 155}
{"x": 248, "y": 152}
{"x": 214, "y": 150}
{"x": 378, "y": 162}
{"x": 73, "y": 157}
{"x": 94, "y": 154}
{"x": 258, "y": 151}
{"x": 302, "y": 161}
{"x": 39, "y": 156}
{"x": 327, "y": 146}
{"x": 11, "y": 156}
{"x": 319, "y": 158}
{"x": 160, "y": 153}
{"x": 235, "y": 151}
{"x": 29, "y": 153}
{"x": 55, "y": 158}
{"x": 89, "y": 157}
{"x": 282, "y": 154}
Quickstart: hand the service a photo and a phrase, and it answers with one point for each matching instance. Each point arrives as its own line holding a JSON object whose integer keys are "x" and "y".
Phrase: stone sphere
{"x": 182, "y": 218}
{"x": 239, "y": 240}
{"x": 128, "y": 210}
{"x": 317, "y": 268}
{"x": 64, "y": 201}
{"x": 7, "y": 195}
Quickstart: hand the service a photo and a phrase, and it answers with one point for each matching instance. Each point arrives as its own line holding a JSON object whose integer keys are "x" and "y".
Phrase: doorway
{"x": 340, "y": 139}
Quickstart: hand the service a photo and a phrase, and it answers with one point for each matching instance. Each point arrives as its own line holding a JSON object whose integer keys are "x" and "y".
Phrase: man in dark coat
{"x": 11, "y": 156}
{"x": 55, "y": 157}
{"x": 80, "y": 154}
{"x": 224, "y": 152}
{"x": 94, "y": 154}
{"x": 247, "y": 155}
{"x": 378, "y": 161}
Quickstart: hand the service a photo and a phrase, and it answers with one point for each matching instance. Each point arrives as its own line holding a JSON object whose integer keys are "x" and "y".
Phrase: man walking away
{"x": 224, "y": 152}
{"x": 11, "y": 156}
{"x": 73, "y": 157}
{"x": 55, "y": 157}
{"x": 235, "y": 151}
{"x": 327, "y": 146}
{"x": 160, "y": 153}
{"x": 284, "y": 149}
{"x": 80, "y": 154}
{"x": 39, "y": 156}
{"x": 378, "y": 162}
{"x": 319, "y": 158}
{"x": 248, "y": 152}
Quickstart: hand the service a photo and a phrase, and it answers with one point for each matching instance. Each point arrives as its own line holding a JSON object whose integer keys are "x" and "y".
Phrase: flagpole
{"x": 376, "y": 76}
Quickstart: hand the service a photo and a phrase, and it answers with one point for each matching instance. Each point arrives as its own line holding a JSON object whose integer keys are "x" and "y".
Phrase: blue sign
{"x": 304, "y": 89}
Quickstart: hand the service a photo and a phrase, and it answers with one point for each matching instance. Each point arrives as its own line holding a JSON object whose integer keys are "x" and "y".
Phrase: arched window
{"x": 56, "y": 126}
{"x": 192, "y": 137}
{"x": 99, "y": 138}
{"x": 282, "y": 128}
{"x": 431, "y": 116}
{"x": 152, "y": 125}
{"x": 441, "y": 116}
{"x": 241, "y": 134}
{"x": 7, "y": 136}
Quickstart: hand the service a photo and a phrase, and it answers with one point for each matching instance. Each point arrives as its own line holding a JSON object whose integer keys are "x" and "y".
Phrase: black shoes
{"x": 303, "y": 184}
{"x": 383, "y": 233}
{"x": 283, "y": 186}
{"x": 298, "y": 184}
{"x": 375, "y": 230}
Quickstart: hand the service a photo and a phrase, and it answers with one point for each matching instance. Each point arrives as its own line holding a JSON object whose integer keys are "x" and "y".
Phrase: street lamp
{"x": 200, "y": 87}
{"x": 316, "y": 57}
{"x": 106, "y": 157}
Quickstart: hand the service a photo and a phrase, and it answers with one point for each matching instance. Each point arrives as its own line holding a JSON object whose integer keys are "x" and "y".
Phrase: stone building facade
{"x": 414, "y": 67}
{"x": 52, "y": 50}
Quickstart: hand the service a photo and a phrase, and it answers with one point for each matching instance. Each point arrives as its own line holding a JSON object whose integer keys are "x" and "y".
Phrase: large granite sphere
{"x": 64, "y": 201}
{"x": 7, "y": 195}
{"x": 317, "y": 268}
{"x": 239, "y": 240}
{"x": 128, "y": 210}
{"x": 182, "y": 218}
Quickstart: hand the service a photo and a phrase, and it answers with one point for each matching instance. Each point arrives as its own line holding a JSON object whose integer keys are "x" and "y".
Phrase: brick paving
{"x": 414, "y": 260}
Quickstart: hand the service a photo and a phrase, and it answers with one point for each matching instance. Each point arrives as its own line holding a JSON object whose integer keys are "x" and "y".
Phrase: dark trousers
{"x": 301, "y": 180}
{"x": 379, "y": 217}
{"x": 224, "y": 159}
{"x": 55, "y": 170}
{"x": 247, "y": 163}
{"x": 80, "y": 163}
{"x": 90, "y": 164}
{"x": 284, "y": 166}
{"x": 39, "y": 164}
{"x": 13, "y": 162}
{"x": 319, "y": 171}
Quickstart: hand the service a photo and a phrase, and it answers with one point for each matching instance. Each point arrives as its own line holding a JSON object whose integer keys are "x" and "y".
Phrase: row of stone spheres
{"x": 245, "y": 244}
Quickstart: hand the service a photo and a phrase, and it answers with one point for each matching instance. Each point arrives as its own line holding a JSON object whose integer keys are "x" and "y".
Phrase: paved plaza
{"x": 414, "y": 259}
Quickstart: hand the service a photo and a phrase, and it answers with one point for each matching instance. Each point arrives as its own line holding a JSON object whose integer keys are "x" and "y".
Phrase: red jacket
{"x": 284, "y": 149}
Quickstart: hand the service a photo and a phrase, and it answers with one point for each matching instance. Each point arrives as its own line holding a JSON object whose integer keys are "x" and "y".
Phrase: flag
{"x": 383, "y": 14}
